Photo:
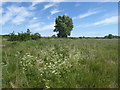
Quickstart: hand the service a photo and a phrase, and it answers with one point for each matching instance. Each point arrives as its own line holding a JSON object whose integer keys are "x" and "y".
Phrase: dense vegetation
{"x": 36, "y": 36}
{"x": 23, "y": 36}
{"x": 110, "y": 36}
{"x": 60, "y": 63}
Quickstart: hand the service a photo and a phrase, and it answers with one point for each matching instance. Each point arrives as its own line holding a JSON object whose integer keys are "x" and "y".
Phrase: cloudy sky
{"x": 89, "y": 18}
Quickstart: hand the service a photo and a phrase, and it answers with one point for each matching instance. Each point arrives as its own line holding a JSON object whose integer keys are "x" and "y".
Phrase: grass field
{"x": 60, "y": 63}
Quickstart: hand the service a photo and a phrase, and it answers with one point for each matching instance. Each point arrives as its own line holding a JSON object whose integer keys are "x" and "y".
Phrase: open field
{"x": 60, "y": 63}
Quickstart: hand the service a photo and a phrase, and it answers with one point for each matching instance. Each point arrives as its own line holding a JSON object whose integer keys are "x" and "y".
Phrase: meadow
{"x": 60, "y": 63}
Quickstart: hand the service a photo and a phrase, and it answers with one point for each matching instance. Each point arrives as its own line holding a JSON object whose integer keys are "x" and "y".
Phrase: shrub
{"x": 35, "y": 36}
{"x": 12, "y": 37}
{"x": 54, "y": 36}
{"x": 24, "y": 36}
{"x": 110, "y": 36}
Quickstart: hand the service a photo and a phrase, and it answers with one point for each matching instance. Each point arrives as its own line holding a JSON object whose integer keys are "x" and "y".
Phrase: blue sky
{"x": 89, "y": 18}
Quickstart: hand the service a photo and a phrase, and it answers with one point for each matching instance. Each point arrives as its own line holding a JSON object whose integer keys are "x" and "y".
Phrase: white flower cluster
{"x": 28, "y": 61}
{"x": 52, "y": 62}
{"x": 55, "y": 63}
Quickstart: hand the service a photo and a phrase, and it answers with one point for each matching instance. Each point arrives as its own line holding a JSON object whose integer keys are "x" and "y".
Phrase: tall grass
{"x": 60, "y": 63}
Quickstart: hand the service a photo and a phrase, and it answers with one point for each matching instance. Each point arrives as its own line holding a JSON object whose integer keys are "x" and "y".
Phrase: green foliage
{"x": 73, "y": 37}
{"x": 24, "y": 36}
{"x": 80, "y": 37}
{"x": 12, "y": 37}
{"x": 110, "y": 36}
{"x": 35, "y": 36}
{"x": 60, "y": 63}
{"x": 63, "y": 26}
{"x": 54, "y": 36}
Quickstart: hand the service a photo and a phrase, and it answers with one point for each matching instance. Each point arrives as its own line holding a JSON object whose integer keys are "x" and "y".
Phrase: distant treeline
{"x": 24, "y": 36}
{"x": 109, "y": 36}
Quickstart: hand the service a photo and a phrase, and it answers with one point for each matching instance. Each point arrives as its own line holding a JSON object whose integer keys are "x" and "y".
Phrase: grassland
{"x": 60, "y": 63}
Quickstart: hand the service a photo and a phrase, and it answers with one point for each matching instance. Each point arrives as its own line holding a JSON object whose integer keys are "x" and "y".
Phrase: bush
{"x": 12, "y": 37}
{"x": 35, "y": 36}
{"x": 24, "y": 36}
{"x": 54, "y": 36}
{"x": 110, "y": 36}
{"x": 80, "y": 37}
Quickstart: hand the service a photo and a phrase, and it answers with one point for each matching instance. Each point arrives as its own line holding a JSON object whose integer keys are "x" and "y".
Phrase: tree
{"x": 110, "y": 36}
{"x": 63, "y": 25}
{"x": 53, "y": 36}
{"x": 28, "y": 34}
{"x": 35, "y": 36}
{"x": 12, "y": 37}
{"x": 28, "y": 31}
{"x": 105, "y": 37}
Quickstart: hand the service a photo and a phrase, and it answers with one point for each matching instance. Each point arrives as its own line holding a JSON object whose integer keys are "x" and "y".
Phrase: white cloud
{"x": 49, "y": 5}
{"x": 34, "y": 25}
{"x": 32, "y": 7}
{"x": 0, "y": 4}
{"x": 0, "y": 7}
{"x": 76, "y": 5}
{"x": 34, "y": 18}
{"x": 111, "y": 0}
{"x": 46, "y": 27}
{"x": 48, "y": 17}
{"x": 35, "y": 2}
{"x": 6, "y": 17}
{"x": 54, "y": 11}
{"x": 107, "y": 21}
{"x": 60, "y": 0}
{"x": 18, "y": 20}
{"x": 89, "y": 13}
{"x": 16, "y": 14}
{"x": 1, "y": 10}
{"x": 40, "y": 26}
{"x": 110, "y": 20}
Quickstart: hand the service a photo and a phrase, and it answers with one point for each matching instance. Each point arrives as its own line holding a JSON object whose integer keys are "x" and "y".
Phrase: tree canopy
{"x": 63, "y": 25}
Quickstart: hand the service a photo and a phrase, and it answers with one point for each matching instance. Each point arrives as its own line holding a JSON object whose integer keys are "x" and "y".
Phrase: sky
{"x": 92, "y": 19}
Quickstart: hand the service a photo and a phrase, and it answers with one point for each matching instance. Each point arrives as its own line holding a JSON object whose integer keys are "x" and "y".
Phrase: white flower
{"x": 53, "y": 71}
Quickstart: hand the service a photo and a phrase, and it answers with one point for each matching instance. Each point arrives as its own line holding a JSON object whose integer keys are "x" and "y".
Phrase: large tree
{"x": 63, "y": 25}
